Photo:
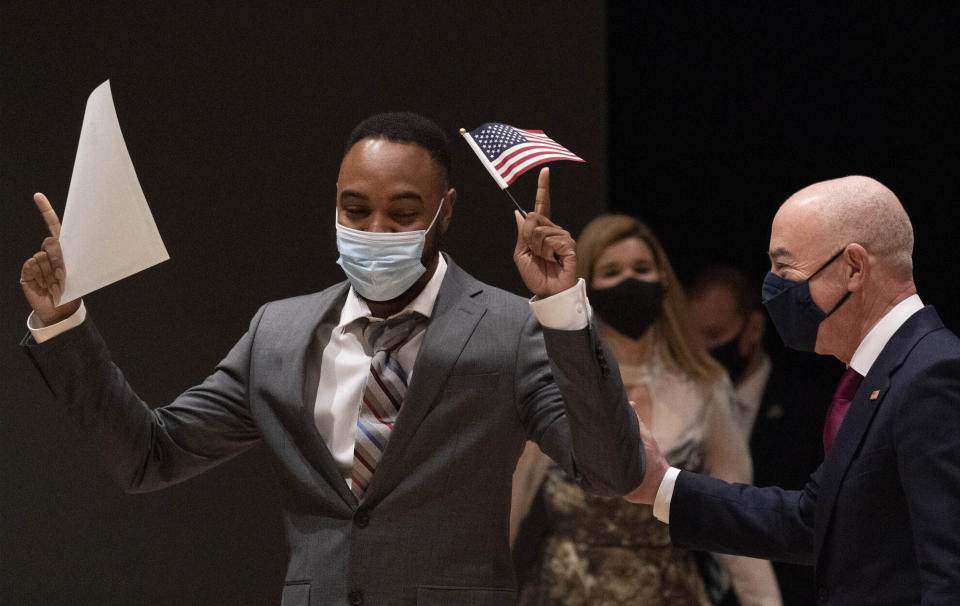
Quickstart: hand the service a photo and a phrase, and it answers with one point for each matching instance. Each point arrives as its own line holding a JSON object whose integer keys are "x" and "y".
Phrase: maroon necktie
{"x": 849, "y": 383}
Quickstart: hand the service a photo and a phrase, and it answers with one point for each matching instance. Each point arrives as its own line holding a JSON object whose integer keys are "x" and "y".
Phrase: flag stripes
{"x": 508, "y": 152}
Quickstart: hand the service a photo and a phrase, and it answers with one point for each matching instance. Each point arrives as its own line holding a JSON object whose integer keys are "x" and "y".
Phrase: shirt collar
{"x": 877, "y": 338}
{"x": 355, "y": 307}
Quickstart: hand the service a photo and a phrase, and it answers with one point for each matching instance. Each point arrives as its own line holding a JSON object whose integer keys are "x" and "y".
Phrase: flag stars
{"x": 494, "y": 138}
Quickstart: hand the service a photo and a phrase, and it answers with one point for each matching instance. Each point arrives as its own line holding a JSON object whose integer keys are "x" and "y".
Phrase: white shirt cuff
{"x": 661, "y": 505}
{"x": 43, "y": 333}
{"x": 567, "y": 310}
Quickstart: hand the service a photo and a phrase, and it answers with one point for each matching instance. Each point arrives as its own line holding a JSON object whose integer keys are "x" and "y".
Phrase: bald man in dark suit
{"x": 880, "y": 519}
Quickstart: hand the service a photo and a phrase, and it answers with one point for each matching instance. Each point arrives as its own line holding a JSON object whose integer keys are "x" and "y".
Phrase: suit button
{"x": 356, "y": 598}
{"x": 821, "y": 595}
{"x": 361, "y": 518}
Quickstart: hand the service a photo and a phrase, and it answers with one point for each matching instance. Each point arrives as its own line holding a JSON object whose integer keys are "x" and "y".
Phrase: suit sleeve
{"x": 769, "y": 523}
{"x": 147, "y": 449}
{"x": 927, "y": 442}
{"x": 572, "y": 402}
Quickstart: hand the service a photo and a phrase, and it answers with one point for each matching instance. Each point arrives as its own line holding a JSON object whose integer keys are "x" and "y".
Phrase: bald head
{"x": 856, "y": 209}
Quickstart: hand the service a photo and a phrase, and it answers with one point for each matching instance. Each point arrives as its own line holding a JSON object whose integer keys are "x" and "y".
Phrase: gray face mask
{"x": 381, "y": 266}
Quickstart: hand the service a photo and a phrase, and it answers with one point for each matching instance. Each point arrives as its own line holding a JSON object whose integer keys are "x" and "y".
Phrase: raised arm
{"x": 588, "y": 427}
{"x": 42, "y": 275}
{"x": 145, "y": 449}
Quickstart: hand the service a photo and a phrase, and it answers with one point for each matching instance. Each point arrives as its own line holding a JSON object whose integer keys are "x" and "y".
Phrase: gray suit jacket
{"x": 433, "y": 525}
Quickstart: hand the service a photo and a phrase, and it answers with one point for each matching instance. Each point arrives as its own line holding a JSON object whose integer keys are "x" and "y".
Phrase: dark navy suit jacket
{"x": 880, "y": 519}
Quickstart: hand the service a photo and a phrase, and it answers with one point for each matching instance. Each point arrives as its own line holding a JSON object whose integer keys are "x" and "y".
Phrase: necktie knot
{"x": 847, "y": 388}
{"x": 389, "y": 334}
{"x": 849, "y": 383}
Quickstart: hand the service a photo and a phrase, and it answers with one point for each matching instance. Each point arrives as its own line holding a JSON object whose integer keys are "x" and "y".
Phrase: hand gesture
{"x": 42, "y": 275}
{"x": 545, "y": 253}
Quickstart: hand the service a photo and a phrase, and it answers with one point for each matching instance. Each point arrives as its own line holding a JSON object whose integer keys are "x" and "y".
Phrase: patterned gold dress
{"x": 606, "y": 552}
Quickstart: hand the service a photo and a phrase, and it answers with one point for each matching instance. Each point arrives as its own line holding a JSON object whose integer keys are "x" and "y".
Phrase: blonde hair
{"x": 672, "y": 326}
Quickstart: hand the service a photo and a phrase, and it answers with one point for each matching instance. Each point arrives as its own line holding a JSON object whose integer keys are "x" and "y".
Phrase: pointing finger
{"x": 542, "y": 204}
{"x": 49, "y": 215}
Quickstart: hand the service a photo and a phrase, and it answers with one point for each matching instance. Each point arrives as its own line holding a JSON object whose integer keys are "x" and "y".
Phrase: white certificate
{"x": 107, "y": 231}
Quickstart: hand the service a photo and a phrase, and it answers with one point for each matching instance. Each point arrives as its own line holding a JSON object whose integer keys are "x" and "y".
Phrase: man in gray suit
{"x": 394, "y": 460}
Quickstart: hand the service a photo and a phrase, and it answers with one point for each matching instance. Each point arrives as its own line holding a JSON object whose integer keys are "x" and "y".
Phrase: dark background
{"x": 699, "y": 117}
{"x": 719, "y": 111}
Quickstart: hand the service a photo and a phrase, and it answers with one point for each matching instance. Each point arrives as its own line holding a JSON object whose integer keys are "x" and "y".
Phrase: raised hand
{"x": 42, "y": 275}
{"x": 545, "y": 253}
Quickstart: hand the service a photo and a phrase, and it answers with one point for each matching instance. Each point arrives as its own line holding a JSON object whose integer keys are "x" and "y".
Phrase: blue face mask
{"x": 796, "y": 317}
{"x": 382, "y": 265}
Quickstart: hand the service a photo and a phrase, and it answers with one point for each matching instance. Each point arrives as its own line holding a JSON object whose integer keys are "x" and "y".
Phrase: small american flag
{"x": 508, "y": 152}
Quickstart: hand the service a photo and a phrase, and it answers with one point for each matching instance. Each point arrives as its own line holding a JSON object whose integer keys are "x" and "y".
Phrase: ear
{"x": 449, "y": 199}
{"x": 857, "y": 265}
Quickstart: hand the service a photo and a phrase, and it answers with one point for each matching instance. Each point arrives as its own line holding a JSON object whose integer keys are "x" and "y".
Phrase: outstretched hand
{"x": 42, "y": 275}
{"x": 545, "y": 253}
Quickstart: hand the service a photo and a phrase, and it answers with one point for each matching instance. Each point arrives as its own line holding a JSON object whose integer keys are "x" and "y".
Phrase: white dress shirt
{"x": 344, "y": 361}
{"x": 345, "y": 364}
{"x": 872, "y": 344}
{"x": 43, "y": 333}
{"x": 862, "y": 360}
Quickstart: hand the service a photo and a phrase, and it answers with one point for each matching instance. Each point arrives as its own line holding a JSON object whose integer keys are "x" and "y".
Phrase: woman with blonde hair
{"x": 593, "y": 550}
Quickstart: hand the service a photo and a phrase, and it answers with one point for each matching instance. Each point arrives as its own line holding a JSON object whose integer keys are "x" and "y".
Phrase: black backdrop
{"x": 709, "y": 114}
{"x": 728, "y": 108}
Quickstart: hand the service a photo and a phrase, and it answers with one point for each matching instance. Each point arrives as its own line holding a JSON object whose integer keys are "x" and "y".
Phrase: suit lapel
{"x": 454, "y": 318}
{"x": 862, "y": 411}
{"x": 301, "y": 338}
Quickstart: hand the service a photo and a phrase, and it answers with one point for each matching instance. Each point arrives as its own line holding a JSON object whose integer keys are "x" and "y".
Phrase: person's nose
{"x": 378, "y": 224}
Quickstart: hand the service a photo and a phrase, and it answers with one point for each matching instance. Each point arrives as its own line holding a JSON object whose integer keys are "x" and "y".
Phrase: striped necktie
{"x": 383, "y": 393}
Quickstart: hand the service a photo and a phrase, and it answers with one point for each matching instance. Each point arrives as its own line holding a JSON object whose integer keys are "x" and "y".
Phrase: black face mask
{"x": 790, "y": 305}
{"x": 629, "y": 307}
{"x": 730, "y": 357}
